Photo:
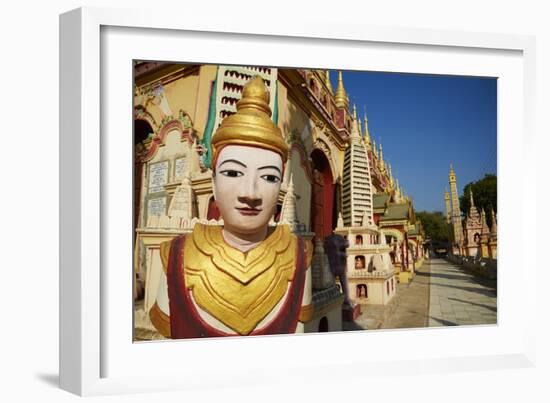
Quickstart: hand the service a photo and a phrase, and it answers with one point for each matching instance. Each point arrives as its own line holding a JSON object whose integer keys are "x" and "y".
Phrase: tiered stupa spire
{"x": 357, "y": 186}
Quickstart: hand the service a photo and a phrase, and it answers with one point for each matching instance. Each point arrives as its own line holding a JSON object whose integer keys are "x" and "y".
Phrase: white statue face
{"x": 246, "y": 186}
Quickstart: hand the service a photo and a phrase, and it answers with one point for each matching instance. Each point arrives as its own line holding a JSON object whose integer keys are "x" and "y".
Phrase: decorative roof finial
{"x": 355, "y": 132}
{"x": 382, "y": 164}
{"x": 341, "y": 98}
{"x": 327, "y": 81}
{"x": 367, "y": 134}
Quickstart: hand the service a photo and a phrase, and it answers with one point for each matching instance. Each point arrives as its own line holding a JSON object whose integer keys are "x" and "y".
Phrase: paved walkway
{"x": 441, "y": 294}
{"x": 412, "y": 302}
{"x": 460, "y": 298}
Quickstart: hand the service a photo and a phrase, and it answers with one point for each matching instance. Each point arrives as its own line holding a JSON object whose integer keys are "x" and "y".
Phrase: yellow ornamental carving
{"x": 237, "y": 288}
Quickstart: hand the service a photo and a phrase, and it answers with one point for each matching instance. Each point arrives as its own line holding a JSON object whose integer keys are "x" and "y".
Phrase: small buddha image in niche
{"x": 359, "y": 262}
{"x": 243, "y": 277}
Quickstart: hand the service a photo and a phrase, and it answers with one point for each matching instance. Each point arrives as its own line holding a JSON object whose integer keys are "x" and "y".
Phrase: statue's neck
{"x": 244, "y": 242}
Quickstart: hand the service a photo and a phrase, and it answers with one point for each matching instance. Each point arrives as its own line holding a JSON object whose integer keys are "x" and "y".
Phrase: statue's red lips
{"x": 249, "y": 211}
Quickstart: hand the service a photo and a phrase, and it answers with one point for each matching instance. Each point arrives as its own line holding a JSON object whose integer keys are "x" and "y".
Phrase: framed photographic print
{"x": 252, "y": 200}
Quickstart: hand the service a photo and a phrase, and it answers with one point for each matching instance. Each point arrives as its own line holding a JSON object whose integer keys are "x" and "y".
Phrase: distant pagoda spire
{"x": 473, "y": 209}
{"x": 448, "y": 205}
{"x": 341, "y": 97}
{"x": 455, "y": 206}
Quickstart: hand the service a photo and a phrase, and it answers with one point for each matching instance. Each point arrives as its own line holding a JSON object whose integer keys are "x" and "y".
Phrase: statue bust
{"x": 242, "y": 278}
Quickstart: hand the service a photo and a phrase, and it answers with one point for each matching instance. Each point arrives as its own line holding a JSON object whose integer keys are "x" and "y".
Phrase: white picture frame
{"x": 96, "y": 357}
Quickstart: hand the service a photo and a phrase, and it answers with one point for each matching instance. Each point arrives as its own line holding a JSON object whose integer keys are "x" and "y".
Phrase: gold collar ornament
{"x": 239, "y": 289}
{"x": 251, "y": 125}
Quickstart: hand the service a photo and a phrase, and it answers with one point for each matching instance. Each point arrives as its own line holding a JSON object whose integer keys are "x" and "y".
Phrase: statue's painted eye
{"x": 271, "y": 178}
{"x": 231, "y": 173}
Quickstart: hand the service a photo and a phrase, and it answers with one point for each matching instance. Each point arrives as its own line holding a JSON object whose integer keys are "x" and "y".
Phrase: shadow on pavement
{"x": 444, "y": 322}
{"x": 488, "y": 293}
{"x": 491, "y": 308}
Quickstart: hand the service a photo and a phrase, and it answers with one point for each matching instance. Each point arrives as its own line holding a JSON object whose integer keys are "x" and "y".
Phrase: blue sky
{"x": 425, "y": 123}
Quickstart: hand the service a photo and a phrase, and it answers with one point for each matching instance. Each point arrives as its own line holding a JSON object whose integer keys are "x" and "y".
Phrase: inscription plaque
{"x": 156, "y": 206}
{"x": 158, "y": 176}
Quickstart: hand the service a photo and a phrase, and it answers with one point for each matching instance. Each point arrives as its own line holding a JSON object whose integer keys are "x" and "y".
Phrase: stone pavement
{"x": 460, "y": 298}
{"x": 412, "y": 302}
{"x": 441, "y": 294}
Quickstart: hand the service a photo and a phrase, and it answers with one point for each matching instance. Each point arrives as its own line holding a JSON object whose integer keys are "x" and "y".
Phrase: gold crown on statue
{"x": 251, "y": 125}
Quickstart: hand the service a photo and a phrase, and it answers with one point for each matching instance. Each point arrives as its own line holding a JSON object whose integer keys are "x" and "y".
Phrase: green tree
{"x": 435, "y": 225}
{"x": 485, "y": 196}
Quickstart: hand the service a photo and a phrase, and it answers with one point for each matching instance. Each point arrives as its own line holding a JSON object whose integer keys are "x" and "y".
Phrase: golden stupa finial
{"x": 397, "y": 189}
{"x": 251, "y": 125}
{"x": 366, "y": 134}
{"x": 341, "y": 98}
{"x": 374, "y": 149}
{"x": 354, "y": 112}
{"x": 452, "y": 172}
{"x": 447, "y": 195}
{"x": 327, "y": 81}
{"x": 381, "y": 154}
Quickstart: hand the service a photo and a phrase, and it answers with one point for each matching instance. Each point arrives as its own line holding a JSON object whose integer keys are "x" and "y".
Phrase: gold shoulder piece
{"x": 308, "y": 245}
{"x": 160, "y": 320}
{"x": 239, "y": 289}
{"x": 306, "y": 313}
{"x": 165, "y": 254}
